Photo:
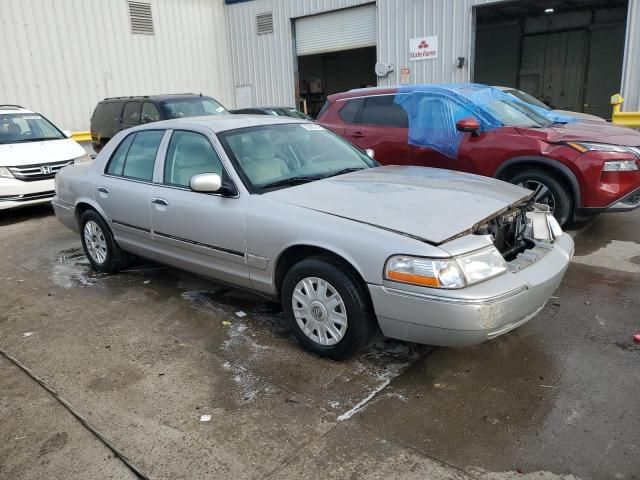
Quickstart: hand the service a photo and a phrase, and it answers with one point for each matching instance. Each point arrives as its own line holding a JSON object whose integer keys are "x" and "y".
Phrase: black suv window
{"x": 135, "y": 157}
{"x": 131, "y": 114}
{"x": 350, "y": 109}
{"x": 383, "y": 110}
{"x": 150, "y": 113}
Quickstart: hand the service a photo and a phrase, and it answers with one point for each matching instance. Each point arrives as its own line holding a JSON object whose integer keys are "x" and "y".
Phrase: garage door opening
{"x": 566, "y": 53}
{"x": 335, "y": 52}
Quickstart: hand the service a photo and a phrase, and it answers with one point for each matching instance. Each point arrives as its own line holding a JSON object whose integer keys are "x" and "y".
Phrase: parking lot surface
{"x": 145, "y": 353}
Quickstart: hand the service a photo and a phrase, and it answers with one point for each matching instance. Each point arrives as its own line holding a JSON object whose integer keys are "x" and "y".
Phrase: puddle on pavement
{"x": 72, "y": 269}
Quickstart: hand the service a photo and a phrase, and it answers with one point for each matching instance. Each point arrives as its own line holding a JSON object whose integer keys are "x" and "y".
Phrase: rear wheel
{"x": 103, "y": 252}
{"x": 327, "y": 308}
{"x": 548, "y": 191}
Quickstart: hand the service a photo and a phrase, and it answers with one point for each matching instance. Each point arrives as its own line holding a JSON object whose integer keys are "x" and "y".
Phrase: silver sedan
{"x": 290, "y": 210}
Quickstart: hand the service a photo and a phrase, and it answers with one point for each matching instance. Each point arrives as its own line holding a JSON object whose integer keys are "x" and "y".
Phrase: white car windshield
{"x": 27, "y": 127}
{"x": 274, "y": 156}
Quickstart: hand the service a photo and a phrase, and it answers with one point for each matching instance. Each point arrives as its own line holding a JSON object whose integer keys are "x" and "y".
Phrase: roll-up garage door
{"x": 335, "y": 31}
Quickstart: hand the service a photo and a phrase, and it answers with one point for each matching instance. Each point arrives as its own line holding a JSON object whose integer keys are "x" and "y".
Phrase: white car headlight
{"x": 620, "y": 166}
{"x": 82, "y": 159}
{"x": 456, "y": 272}
{"x": 5, "y": 173}
{"x": 481, "y": 265}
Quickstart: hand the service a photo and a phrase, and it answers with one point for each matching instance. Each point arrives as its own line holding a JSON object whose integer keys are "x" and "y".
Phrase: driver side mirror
{"x": 211, "y": 183}
{"x": 370, "y": 153}
{"x": 470, "y": 125}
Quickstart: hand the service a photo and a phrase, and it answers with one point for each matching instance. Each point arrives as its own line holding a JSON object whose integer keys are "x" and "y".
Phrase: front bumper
{"x": 17, "y": 193}
{"x": 627, "y": 203}
{"x": 474, "y": 314}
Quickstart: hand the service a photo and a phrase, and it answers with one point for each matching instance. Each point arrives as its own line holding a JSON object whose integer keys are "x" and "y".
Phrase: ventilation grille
{"x": 141, "y": 19}
{"x": 265, "y": 23}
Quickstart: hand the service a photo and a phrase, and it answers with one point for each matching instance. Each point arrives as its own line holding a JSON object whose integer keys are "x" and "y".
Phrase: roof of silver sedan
{"x": 221, "y": 123}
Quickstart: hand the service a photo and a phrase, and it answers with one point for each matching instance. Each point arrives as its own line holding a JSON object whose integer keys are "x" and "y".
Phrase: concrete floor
{"x": 143, "y": 354}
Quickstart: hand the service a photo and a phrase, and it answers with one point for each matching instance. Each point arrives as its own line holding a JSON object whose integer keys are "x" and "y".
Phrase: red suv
{"x": 576, "y": 168}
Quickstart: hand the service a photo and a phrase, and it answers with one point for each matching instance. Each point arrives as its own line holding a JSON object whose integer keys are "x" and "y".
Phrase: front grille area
{"x": 30, "y": 173}
{"x": 27, "y": 196}
{"x": 633, "y": 200}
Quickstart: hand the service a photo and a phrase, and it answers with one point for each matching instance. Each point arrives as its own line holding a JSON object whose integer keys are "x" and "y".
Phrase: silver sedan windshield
{"x": 273, "y": 156}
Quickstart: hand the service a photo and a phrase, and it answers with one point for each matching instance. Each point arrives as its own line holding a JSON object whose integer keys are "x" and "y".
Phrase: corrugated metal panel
{"x": 265, "y": 63}
{"x": 335, "y": 31}
{"x": 451, "y": 21}
{"x": 61, "y": 61}
{"x": 631, "y": 68}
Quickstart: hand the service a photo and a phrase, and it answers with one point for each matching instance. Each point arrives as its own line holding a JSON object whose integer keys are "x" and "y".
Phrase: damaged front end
{"x": 522, "y": 234}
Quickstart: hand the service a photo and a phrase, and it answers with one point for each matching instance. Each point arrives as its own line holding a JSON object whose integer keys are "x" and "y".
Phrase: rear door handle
{"x": 104, "y": 190}
{"x": 160, "y": 201}
{"x": 357, "y": 134}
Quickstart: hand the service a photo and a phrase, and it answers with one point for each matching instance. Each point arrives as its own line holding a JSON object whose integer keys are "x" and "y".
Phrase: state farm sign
{"x": 423, "y": 48}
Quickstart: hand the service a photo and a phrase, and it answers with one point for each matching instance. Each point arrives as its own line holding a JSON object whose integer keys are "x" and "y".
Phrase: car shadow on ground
{"x": 19, "y": 215}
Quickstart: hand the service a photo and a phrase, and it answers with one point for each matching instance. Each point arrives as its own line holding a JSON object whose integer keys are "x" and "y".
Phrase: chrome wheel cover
{"x": 319, "y": 311}
{"x": 542, "y": 193}
{"x": 95, "y": 242}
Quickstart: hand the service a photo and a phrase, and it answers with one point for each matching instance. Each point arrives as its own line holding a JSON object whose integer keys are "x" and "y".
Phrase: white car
{"x": 32, "y": 151}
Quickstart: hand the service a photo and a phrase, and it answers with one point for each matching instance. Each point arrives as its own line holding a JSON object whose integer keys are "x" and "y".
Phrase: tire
{"x": 101, "y": 249}
{"x": 338, "y": 327}
{"x": 554, "y": 192}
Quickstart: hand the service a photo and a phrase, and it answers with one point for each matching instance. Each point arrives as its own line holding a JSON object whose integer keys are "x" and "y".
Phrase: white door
{"x": 338, "y": 30}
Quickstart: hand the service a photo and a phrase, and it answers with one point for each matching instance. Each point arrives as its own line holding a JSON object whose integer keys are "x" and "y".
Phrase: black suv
{"x": 117, "y": 113}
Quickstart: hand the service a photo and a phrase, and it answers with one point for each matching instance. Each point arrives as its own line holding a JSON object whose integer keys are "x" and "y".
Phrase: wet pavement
{"x": 143, "y": 354}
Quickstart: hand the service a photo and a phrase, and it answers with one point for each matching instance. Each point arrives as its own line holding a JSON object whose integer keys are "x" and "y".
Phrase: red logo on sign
{"x": 423, "y": 44}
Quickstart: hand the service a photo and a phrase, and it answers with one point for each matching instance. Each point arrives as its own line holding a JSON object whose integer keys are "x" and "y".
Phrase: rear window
{"x": 383, "y": 110}
{"x": 350, "y": 109}
{"x": 105, "y": 113}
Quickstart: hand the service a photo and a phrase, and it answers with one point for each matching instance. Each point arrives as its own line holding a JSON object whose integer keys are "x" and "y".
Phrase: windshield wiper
{"x": 343, "y": 171}
{"x": 287, "y": 182}
{"x": 25, "y": 140}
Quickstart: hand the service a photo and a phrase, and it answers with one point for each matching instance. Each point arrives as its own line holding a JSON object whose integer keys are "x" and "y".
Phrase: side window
{"x": 135, "y": 157}
{"x": 350, "y": 109}
{"x": 189, "y": 154}
{"x": 131, "y": 113}
{"x": 150, "y": 113}
{"x": 383, "y": 110}
{"x": 116, "y": 163}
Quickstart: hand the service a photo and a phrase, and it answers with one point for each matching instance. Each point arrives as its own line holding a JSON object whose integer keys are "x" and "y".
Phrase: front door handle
{"x": 357, "y": 134}
{"x": 104, "y": 190}
{"x": 160, "y": 201}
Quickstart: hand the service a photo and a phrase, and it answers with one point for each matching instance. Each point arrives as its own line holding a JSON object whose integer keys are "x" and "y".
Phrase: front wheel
{"x": 548, "y": 191}
{"x": 101, "y": 249}
{"x": 327, "y": 308}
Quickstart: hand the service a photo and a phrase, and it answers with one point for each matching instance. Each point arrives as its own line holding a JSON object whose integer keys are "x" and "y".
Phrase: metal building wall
{"x": 631, "y": 68}
{"x": 60, "y": 58}
{"x": 266, "y": 62}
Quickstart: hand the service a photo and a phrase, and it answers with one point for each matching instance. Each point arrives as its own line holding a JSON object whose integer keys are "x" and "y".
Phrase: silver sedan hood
{"x": 427, "y": 203}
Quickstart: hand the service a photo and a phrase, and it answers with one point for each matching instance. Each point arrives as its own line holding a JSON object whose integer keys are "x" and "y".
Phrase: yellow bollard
{"x": 628, "y": 119}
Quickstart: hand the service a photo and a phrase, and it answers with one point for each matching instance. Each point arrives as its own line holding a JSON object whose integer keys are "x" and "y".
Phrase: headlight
{"x": 425, "y": 272}
{"x": 5, "y": 173}
{"x": 481, "y": 265}
{"x": 446, "y": 273}
{"x": 620, "y": 166}
{"x": 598, "y": 147}
{"x": 82, "y": 159}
